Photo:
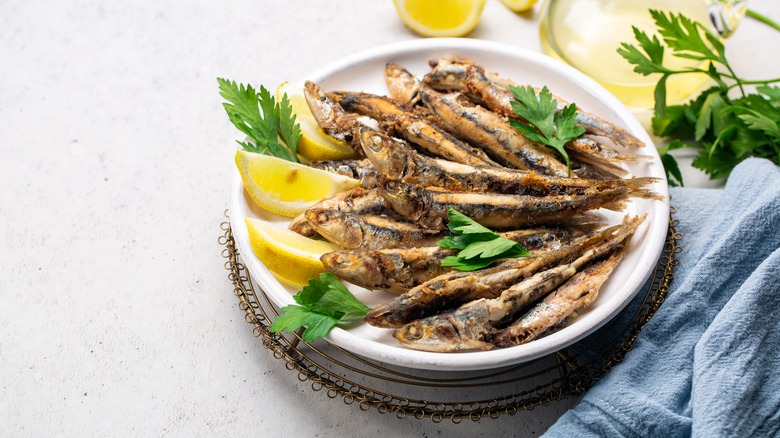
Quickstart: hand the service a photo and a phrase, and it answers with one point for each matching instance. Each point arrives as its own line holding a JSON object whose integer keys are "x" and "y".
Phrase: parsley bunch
{"x": 724, "y": 129}
{"x": 262, "y": 119}
{"x": 542, "y": 122}
{"x": 479, "y": 247}
{"x": 321, "y": 305}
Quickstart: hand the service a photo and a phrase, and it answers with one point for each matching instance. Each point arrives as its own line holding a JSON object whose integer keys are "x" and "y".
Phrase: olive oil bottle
{"x": 587, "y": 33}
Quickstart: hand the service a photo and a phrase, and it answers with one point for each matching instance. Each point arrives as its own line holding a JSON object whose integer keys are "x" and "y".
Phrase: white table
{"x": 116, "y": 315}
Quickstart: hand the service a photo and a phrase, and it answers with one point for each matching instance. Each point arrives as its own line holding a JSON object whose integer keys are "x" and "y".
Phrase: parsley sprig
{"x": 262, "y": 119}
{"x": 479, "y": 247}
{"x": 321, "y": 305}
{"x": 542, "y": 122}
{"x": 724, "y": 129}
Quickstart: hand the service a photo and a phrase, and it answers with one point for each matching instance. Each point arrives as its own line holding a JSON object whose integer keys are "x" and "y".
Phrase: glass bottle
{"x": 587, "y": 33}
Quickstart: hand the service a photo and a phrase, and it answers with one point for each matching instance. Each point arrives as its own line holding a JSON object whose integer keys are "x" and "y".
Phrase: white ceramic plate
{"x": 364, "y": 72}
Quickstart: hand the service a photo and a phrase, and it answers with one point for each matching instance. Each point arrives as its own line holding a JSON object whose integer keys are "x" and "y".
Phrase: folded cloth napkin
{"x": 708, "y": 363}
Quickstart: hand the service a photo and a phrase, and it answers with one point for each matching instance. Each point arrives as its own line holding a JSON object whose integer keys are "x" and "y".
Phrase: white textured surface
{"x": 116, "y": 316}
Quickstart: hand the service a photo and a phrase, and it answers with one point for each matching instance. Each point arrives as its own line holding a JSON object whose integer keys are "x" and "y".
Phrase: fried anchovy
{"x": 330, "y": 116}
{"x": 450, "y": 75}
{"x": 498, "y": 98}
{"x": 468, "y": 326}
{"x": 400, "y": 269}
{"x": 451, "y": 290}
{"x": 493, "y": 133}
{"x": 428, "y": 206}
{"x": 358, "y": 201}
{"x": 577, "y": 293}
{"x": 362, "y": 170}
{"x": 403, "y": 86}
{"x": 412, "y": 127}
{"x": 350, "y": 230}
{"x": 395, "y": 157}
{"x": 471, "y": 325}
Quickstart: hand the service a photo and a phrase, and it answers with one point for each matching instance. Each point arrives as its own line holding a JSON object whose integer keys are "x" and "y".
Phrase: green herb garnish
{"x": 479, "y": 247}
{"x": 542, "y": 122}
{"x": 262, "y": 119}
{"x": 724, "y": 129}
{"x": 322, "y": 303}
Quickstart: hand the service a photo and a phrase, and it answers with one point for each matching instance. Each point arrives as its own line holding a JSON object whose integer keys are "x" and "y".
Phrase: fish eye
{"x": 413, "y": 332}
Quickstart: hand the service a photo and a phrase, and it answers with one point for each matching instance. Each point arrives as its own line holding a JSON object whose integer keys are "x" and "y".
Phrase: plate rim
{"x": 656, "y": 224}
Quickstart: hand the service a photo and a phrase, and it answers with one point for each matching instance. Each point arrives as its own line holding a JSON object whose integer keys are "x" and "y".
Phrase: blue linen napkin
{"x": 708, "y": 363}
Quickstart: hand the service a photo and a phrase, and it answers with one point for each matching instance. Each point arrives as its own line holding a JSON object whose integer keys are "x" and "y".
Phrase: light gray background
{"x": 116, "y": 316}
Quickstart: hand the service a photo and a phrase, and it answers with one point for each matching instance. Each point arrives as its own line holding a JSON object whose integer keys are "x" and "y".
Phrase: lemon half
{"x": 292, "y": 258}
{"x": 284, "y": 187}
{"x": 314, "y": 144}
{"x": 440, "y": 18}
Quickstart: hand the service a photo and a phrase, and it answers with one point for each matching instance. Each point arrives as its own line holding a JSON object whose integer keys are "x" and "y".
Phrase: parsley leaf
{"x": 288, "y": 129}
{"x": 725, "y": 129}
{"x": 321, "y": 305}
{"x": 542, "y": 123}
{"x": 262, "y": 119}
{"x": 646, "y": 63}
{"x": 673, "y": 174}
{"x": 479, "y": 247}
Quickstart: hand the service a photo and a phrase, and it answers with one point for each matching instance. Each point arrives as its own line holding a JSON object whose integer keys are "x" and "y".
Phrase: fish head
{"x": 430, "y": 334}
{"x": 389, "y": 156}
{"x": 330, "y": 116}
{"x": 351, "y": 267}
{"x": 403, "y": 85}
{"x": 406, "y": 199}
{"x": 343, "y": 229}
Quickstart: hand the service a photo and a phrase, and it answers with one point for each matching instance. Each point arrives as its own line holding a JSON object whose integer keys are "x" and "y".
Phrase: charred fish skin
{"x": 429, "y": 207}
{"x": 400, "y": 269}
{"x": 493, "y": 133}
{"x": 351, "y": 231}
{"x": 358, "y": 200}
{"x": 449, "y": 332}
{"x": 393, "y": 269}
{"x": 473, "y": 322}
{"x": 454, "y": 289}
{"x": 414, "y": 128}
{"x": 497, "y": 97}
{"x": 445, "y": 292}
{"x": 362, "y": 170}
{"x": 577, "y": 293}
{"x": 395, "y": 158}
{"x": 438, "y": 141}
{"x": 403, "y": 86}
{"x": 447, "y": 73}
{"x": 370, "y": 105}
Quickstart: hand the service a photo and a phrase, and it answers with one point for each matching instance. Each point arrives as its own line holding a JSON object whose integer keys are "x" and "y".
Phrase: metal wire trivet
{"x": 430, "y": 394}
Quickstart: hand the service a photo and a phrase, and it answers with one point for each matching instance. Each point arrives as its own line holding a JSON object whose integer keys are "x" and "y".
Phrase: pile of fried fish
{"x": 446, "y": 141}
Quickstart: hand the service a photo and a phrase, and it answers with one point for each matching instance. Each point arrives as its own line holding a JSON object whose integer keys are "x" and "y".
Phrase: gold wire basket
{"x": 440, "y": 395}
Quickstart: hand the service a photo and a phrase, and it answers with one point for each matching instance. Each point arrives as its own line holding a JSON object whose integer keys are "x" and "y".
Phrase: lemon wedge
{"x": 292, "y": 258}
{"x": 519, "y": 5}
{"x": 440, "y": 18}
{"x": 314, "y": 144}
{"x": 284, "y": 187}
